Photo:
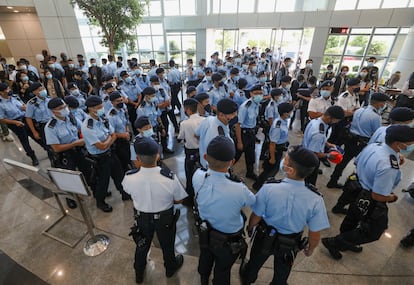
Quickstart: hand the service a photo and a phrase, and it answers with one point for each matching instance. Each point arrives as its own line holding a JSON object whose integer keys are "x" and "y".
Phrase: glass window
{"x": 172, "y": 7}
{"x": 145, "y": 56}
{"x": 154, "y": 8}
{"x": 259, "y": 38}
{"x": 345, "y": 5}
{"x": 369, "y": 4}
{"x": 266, "y": 6}
{"x": 394, "y": 3}
{"x": 315, "y": 5}
{"x": 216, "y": 6}
{"x": 399, "y": 42}
{"x": 366, "y": 31}
{"x": 389, "y": 31}
{"x": 144, "y": 29}
{"x": 88, "y": 45}
{"x": 285, "y": 6}
{"x": 144, "y": 43}
{"x": 330, "y": 59}
{"x": 188, "y": 7}
{"x": 389, "y": 68}
{"x": 353, "y": 63}
{"x": 246, "y": 6}
{"x": 404, "y": 30}
{"x": 290, "y": 43}
{"x": 411, "y": 4}
{"x": 305, "y": 45}
{"x": 84, "y": 30}
{"x": 99, "y": 48}
{"x": 156, "y": 29}
{"x": 158, "y": 42}
{"x": 174, "y": 44}
{"x": 356, "y": 45}
{"x": 380, "y": 45}
{"x": 218, "y": 42}
{"x": 230, "y": 39}
{"x": 228, "y": 6}
{"x": 335, "y": 44}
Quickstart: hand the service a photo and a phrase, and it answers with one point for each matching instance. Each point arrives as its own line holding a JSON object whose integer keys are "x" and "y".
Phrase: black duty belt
{"x": 156, "y": 215}
{"x": 101, "y": 155}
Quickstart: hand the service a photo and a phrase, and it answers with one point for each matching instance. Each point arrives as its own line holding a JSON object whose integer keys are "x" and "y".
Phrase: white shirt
{"x": 348, "y": 102}
{"x": 319, "y": 105}
{"x": 187, "y": 131}
{"x": 12, "y": 75}
{"x": 151, "y": 191}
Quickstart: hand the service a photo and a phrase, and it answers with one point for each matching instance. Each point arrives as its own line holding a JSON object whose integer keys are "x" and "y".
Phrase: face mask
{"x": 43, "y": 93}
{"x": 137, "y": 72}
{"x": 238, "y": 61}
{"x": 257, "y": 98}
{"x": 71, "y": 65}
{"x": 207, "y": 108}
{"x": 370, "y": 64}
{"x": 23, "y": 67}
{"x": 288, "y": 86}
{"x": 236, "y": 78}
{"x": 408, "y": 150}
{"x": 278, "y": 99}
{"x": 100, "y": 112}
{"x": 356, "y": 90}
{"x": 309, "y": 65}
{"x": 153, "y": 99}
{"x": 93, "y": 64}
{"x": 363, "y": 74}
{"x": 65, "y": 112}
{"x": 52, "y": 65}
{"x": 245, "y": 66}
{"x": 208, "y": 78}
{"x": 120, "y": 105}
{"x": 381, "y": 109}
{"x": 49, "y": 76}
{"x": 25, "y": 78}
{"x": 263, "y": 79}
{"x": 344, "y": 72}
{"x": 281, "y": 167}
{"x": 233, "y": 121}
{"x": 223, "y": 79}
{"x": 325, "y": 93}
{"x": 148, "y": 133}
{"x": 128, "y": 79}
{"x": 75, "y": 93}
{"x": 329, "y": 70}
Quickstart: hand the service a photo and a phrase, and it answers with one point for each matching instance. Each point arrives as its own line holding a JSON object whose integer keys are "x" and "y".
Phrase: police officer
{"x": 218, "y": 91}
{"x": 272, "y": 112}
{"x": 99, "y": 136}
{"x": 62, "y": 135}
{"x": 364, "y": 123}
{"x": 165, "y": 92}
{"x": 204, "y": 107}
{"x": 246, "y": 129}
{"x": 192, "y": 156}
{"x": 216, "y": 125}
{"x": 378, "y": 170}
{"x": 79, "y": 95}
{"x": 282, "y": 210}
{"x": 240, "y": 94}
{"x": 74, "y": 109}
{"x": 278, "y": 144}
{"x": 154, "y": 192}
{"x": 129, "y": 87}
{"x": 219, "y": 201}
{"x": 285, "y": 87}
{"x": 206, "y": 84}
{"x": 232, "y": 82}
{"x": 174, "y": 80}
{"x": 318, "y": 106}
{"x": 315, "y": 138}
{"x": 12, "y": 111}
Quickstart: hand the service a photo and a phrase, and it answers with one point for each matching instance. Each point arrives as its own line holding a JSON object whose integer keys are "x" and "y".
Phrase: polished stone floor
{"x": 26, "y": 209}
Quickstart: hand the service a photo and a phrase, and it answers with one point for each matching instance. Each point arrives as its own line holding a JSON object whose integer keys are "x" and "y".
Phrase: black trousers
{"x": 175, "y": 102}
{"x": 173, "y": 119}
{"x": 192, "y": 158}
{"x": 313, "y": 177}
{"x": 103, "y": 173}
{"x": 164, "y": 226}
{"x": 122, "y": 149}
{"x": 339, "y": 132}
{"x": 304, "y": 117}
{"x": 117, "y": 171}
{"x": 132, "y": 114}
{"x": 249, "y": 141}
{"x": 164, "y": 120}
{"x": 269, "y": 170}
{"x": 23, "y": 136}
{"x": 283, "y": 262}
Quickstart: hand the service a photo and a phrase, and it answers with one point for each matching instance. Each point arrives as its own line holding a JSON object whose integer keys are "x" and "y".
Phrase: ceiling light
{"x": 9, "y": 7}
{"x": 15, "y": 11}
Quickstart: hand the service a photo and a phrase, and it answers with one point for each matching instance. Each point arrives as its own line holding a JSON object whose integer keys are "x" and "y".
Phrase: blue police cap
{"x": 148, "y": 91}
{"x": 114, "y": 95}
{"x": 55, "y": 102}
{"x": 146, "y": 146}
{"x": 326, "y": 83}
{"x": 3, "y": 86}
{"x": 201, "y": 96}
{"x": 71, "y": 101}
{"x": 190, "y": 89}
{"x": 72, "y": 85}
{"x": 303, "y": 156}
{"x": 353, "y": 81}
{"x": 123, "y": 73}
{"x": 221, "y": 148}
{"x": 226, "y": 106}
{"x": 256, "y": 87}
{"x": 400, "y": 133}
{"x": 141, "y": 122}
{"x": 107, "y": 86}
{"x": 34, "y": 86}
{"x": 401, "y": 114}
{"x": 93, "y": 101}
{"x": 276, "y": 92}
{"x": 286, "y": 78}
{"x": 284, "y": 108}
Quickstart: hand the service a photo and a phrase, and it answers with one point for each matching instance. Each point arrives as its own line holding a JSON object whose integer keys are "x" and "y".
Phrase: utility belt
{"x": 368, "y": 207}
{"x": 192, "y": 153}
{"x": 97, "y": 157}
{"x": 64, "y": 157}
{"x": 39, "y": 126}
{"x": 119, "y": 143}
{"x": 250, "y": 131}
{"x": 360, "y": 139}
{"x": 282, "y": 146}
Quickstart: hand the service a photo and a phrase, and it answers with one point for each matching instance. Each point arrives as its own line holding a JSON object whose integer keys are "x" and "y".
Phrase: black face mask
{"x": 207, "y": 108}
{"x": 233, "y": 121}
{"x": 120, "y": 105}
{"x": 356, "y": 90}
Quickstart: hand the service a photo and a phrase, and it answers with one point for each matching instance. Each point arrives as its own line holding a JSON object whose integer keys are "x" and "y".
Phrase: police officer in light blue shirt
{"x": 99, "y": 136}
{"x": 232, "y": 82}
{"x": 282, "y": 210}
{"x": 271, "y": 111}
{"x": 218, "y": 90}
{"x": 240, "y": 93}
{"x": 74, "y": 109}
{"x": 315, "y": 134}
{"x": 365, "y": 122}
{"x": 206, "y": 84}
{"x": 214, "y": 126}
{"x": 79, "y": 95}
{"x": 285, "y": 87}
{"x": 133, "y": 91}
{"x": 220, "y": 200}
{"x": 251, "y": 74}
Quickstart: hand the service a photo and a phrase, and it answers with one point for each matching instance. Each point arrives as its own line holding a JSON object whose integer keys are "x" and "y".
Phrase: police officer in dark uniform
{"x": 154, "y": 192}
{"x": 378, "y": 170}
{"x": 99, "y": 136}
{"x": 219, "y": 200}
{"x": 282, "y": 210}
{"x": 364, "y": 124}
{"x": 62, "y": 135}
{"x": 12, "y": 111}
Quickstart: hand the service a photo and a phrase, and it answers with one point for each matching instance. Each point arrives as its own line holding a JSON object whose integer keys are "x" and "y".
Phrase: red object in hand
{"x": 335, "y": 157}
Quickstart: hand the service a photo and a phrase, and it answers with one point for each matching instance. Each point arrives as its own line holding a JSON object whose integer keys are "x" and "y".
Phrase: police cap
{"x": 221, "y": 148}
{"x": 201, "y": 96}
{"x": 154, "y": 79}
{"x": 284, "y": 108}
{"x": 148, "y": 91}
{"x": 71, "y": 101}
{"x": 401, "y": 114}
{"x": 55, "y": 102}
{"x": 107, "y": 86}
{"x": 326, "y": 83}
{"x": 72, "y": 85}
{"x": 286, "y": 78}
{"x": 190, "y": 102}
{"x": 3, "y": 86}
{"x": 34, "y": 86}
{"x": 114, "y": 95}
{"x": 400, "y": 133}
{"x": 379, "y": 97}
{"x": 208, "y": 69}
{"x": 303, "y": 156}
{"x": 141, "y": 122}
{"x": 234, "y": 71}
{"x": 78, "y": 73}
{"x": 256, "y": 87}
{"x": 276, "y": 92}
{"x": 353, "y": 81}
{"x": 93, "y": 101}
{"x": 226, "y": 106}
{"x": 216, "y": 77}
{"x": 146, "y": 146}
{"x": 123, "y": 73}
{"x": 190, "y": 89}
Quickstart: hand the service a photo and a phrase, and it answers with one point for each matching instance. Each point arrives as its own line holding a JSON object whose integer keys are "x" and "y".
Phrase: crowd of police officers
{"x": 119, "y": 129}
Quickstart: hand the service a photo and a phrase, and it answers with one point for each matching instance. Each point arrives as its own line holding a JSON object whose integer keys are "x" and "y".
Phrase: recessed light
{"x": 9, "y": 7}
{"x": 15, "y": 11}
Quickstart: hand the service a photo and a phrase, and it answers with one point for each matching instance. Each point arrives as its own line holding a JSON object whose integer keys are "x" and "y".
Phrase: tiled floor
{"x": 23, "y": 217}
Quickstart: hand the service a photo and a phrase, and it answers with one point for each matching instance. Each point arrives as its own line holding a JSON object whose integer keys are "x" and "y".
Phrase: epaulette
{"x": 220, "y": 131}
{"x": 33, "y": 100}
{"x": 248, "y": 103}
{"x": 234, "y": 177}
{"x": 321, "y": 128}
{"x": 72, "y": 119}
{"x": 345, "y": 95}
{"x": 112, "y": 112}
{"x": 105, "y": 123}
{"x": 90, "y": 123}
{"x": 272, "y": 180}
{"x": 278, "y": 123}
{"x": 272, "y": 103}
{"x": 132, "y": 171}
{"x": 394, "y": 162}
{"x": 313, "y": 189}
{"x": 167, "y": 173}
{"x": 52, "y": 123}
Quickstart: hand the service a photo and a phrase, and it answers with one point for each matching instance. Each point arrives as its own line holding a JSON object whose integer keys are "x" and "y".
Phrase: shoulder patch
{"x": 345, "y": 94}
{"x": 73, "y": 120}
{"x": 313, "y": 189}
{"x": 321, "y": 128}
{"x": 52, "y": 123}
{"x": 272, "y": 103}
{"x": 394, "y": 162}
{"x": 220, "y": 131}
{"x": 273, "y": 180}
{"x": 112, "y": 112}
{"x": 248, "y": 103}
{"x": 278, "y": 123}
{"x": 167, "y": 173}
{"x": 132, "y": 171}
{"x": 90, "y": 123}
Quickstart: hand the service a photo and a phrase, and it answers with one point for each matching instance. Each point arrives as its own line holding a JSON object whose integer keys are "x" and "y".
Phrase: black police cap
{"x": 78, "y": 73}
{"x": 207, "y": 69}
{"x": 93, "y": 101}
{"x": 379, "y": 97}
{"x": 71, "y": 101}
{"x": 303, "y": 156}
{"x": 284, "y": 108}
{"x": 34, "y": 86}
{"x": 276, "y": 92}
{"x": 123, "y": 73}
{"x": 141, "y": 122}
{"x": 55, "y": 102}
{"x": 353, "y": 81}
{"x": 400, "y": 133}
{"x": 256, "y": 87}
{"x": 401, "y": 114}
{"x": 335, "y": 112}
{"x": 3, "y": 86}
{"x": 221, "y": 148}
{"x": 326, "y": 83}
{"x": 114, "y": 95}
{"x": 146, "y": 146}
{"x": 234, "y": 71}
{"x": 286, "y": 78}
{"x": 226, "y": 106}
{"x": 201, "y": 96}
{"x": 190, "y": 89}
{"x": 190, "y": 102}
{"x": 107, "y": 86}
{"x": 159, "y": 70}
{"x": 148, "y": 91}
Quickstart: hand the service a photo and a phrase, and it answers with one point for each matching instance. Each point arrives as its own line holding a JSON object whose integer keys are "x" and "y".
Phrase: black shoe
{"x": 320, "y": 171}
{"x": 329, "y": 243}
{"x": 354, "y": 248}
{"x": 168, "y": 151}
{"x": 104, "y": 207}
{"x": 179, "y": 260}
{"x": 139, "y": 276}
{"x": 35, "y": 161}
{"x": 188, "y": 201}
{"x": 204, "y": 280}
{"x": 334, "y": 184}
{"x": 408, "y": 240}
{"x": 256, "y": 186}
{"x": 251, "y": 176}
{"x": 125, "y": 196}
{"x": 108, "y": 194}
{"x": 71, "y": 203}
{"x": 325, "y": 162}
{"x": 337, "y": 209}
